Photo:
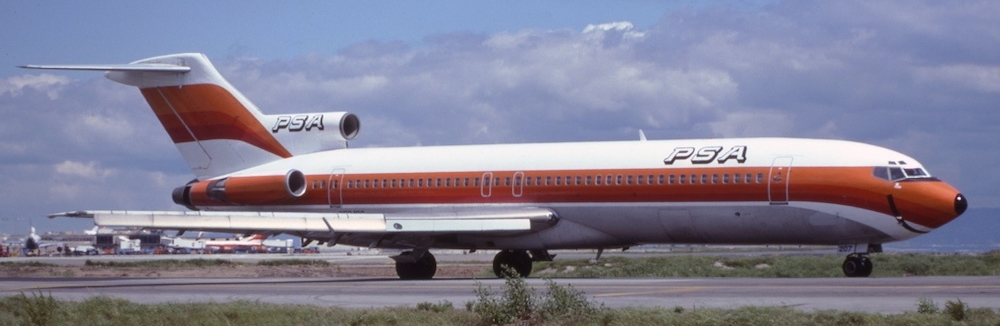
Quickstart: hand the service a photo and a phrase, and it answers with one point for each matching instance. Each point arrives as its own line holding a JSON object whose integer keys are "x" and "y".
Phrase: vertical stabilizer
{"x": 216, "y": 129}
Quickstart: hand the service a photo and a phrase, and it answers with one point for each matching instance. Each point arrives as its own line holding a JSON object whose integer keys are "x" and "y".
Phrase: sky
{"x": 920, "y": 77}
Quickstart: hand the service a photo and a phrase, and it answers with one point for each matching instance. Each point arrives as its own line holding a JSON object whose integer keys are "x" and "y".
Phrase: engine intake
{"x": 305, "y": 133}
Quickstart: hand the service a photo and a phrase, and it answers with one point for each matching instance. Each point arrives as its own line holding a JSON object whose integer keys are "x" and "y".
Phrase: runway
{"x": 882, "y": 295}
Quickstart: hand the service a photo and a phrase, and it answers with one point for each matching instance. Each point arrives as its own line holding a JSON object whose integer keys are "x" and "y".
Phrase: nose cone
{"x": 960, "y": 204}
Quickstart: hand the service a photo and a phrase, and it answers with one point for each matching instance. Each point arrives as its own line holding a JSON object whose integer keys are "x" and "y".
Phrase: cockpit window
{"x": 896, "y": 173}
{"x": 916, "y": 173}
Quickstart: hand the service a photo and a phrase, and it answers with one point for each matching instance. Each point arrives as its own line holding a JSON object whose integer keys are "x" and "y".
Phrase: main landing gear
{"x": 519, "y": 260}
{"x": 415, "y": 265}
{"x": 857, "y": 265}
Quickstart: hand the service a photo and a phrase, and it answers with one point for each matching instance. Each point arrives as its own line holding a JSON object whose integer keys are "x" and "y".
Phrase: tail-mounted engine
{"x": 242, "y": 191}
{"x": 304, "y": 133}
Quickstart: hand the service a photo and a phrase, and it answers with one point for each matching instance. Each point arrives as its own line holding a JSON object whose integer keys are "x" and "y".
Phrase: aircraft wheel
{"x": 857, "y": 266}
{"x": 422, "y": 269}
{"x": 866, "y": 267}
{"x": 519, "y": 260}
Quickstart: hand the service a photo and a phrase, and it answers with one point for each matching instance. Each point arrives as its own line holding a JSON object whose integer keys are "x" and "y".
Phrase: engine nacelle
{"x": 304, "y": 133}
{"x": 243, "y": 191}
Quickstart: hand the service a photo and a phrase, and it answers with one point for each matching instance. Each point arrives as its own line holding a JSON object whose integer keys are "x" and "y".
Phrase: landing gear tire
{"x": 422, "y": 269}
{"x": 519, "y": 260}
{"x": 857, "y": 266}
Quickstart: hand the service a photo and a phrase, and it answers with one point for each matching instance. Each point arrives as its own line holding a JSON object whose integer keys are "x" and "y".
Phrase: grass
{"x": 18, "y": 264}
{"x": 294, "y": 262}
{"x": 785, "y": 266}
{"x": 169, "y": 263}
{"x": 164, "y": 263}
{"x": 41, "y": 309}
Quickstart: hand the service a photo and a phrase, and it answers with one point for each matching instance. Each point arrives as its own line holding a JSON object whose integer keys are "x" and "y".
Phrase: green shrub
{"x": 38, "y": 309}
{"x": 956, "y": 309}
{"x": 927, "y": 306}
{"x": 519, "y": 303}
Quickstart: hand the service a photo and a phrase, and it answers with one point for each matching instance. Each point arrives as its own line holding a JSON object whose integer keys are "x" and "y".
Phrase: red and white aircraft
{"x": 293, "y": 173}
{"x": 252, "y": 243}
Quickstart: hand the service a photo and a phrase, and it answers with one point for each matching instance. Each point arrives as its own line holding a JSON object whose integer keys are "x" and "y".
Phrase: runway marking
{"x": 676, "y": 290}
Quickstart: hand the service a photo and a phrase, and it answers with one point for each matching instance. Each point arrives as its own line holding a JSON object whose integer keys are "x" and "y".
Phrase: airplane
{"x": 34, "y": 245}
{"x": 254, "y": 242}
{"x": 296, "y": 174}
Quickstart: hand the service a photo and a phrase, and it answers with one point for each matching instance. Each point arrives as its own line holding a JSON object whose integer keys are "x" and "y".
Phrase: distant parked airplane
{"x": 293, "y": 173}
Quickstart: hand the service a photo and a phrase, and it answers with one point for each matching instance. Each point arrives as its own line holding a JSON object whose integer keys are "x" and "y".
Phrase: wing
{"x": 332, "y": 226}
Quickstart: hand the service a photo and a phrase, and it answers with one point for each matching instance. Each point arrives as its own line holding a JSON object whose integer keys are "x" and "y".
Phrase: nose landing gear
{"x": 857, "y": 265}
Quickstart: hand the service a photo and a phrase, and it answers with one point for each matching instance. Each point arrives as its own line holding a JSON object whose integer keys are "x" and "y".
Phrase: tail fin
{"x": 216, "y": 129}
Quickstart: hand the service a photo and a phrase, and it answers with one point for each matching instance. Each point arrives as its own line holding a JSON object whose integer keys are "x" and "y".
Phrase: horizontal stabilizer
{"x": 134, "y": 67}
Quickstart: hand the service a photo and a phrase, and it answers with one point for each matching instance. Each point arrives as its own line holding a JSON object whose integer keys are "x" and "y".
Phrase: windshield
{"x": 896, "y": 173}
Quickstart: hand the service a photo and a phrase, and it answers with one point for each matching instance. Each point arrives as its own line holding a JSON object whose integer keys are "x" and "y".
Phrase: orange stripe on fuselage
{"x": 928, "y": 203}
{"x": 209, "y": 112}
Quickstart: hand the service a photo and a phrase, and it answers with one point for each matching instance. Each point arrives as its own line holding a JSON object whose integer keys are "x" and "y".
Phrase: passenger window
{"x": 618, "y": 180}
{"x": 506, "y": 181}
{"x": 578, "y": 179}
{"x": 586, "y": 182}
{"x": 607, "y": 180}
{"x": 725, "y": 178}
{"x": 715, "y": 178}
{"x": 548, "y": 181}
{"x": 760, "y": 178}
{"x": 638, "y": 179}
{"x": 628, "y": 180}
{"x": 597, "y": 181}
{"x": 671, "y": 179}
{"x": 558, "y": 179}
{"x": 682, "y": 179}
{"x": 704, "y": 179}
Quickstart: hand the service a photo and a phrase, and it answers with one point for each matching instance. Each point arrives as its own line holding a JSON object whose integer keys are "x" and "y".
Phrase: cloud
{"x": 89, "y": 170}
{"x": 980, "y": 78}
{"x": 921, "y": 77}
{"x": 624, "y": 29}
{"x": 47, "y": 83}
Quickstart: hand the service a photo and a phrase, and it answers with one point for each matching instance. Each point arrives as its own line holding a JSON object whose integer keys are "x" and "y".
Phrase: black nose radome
{"x": 960, "y": 204}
